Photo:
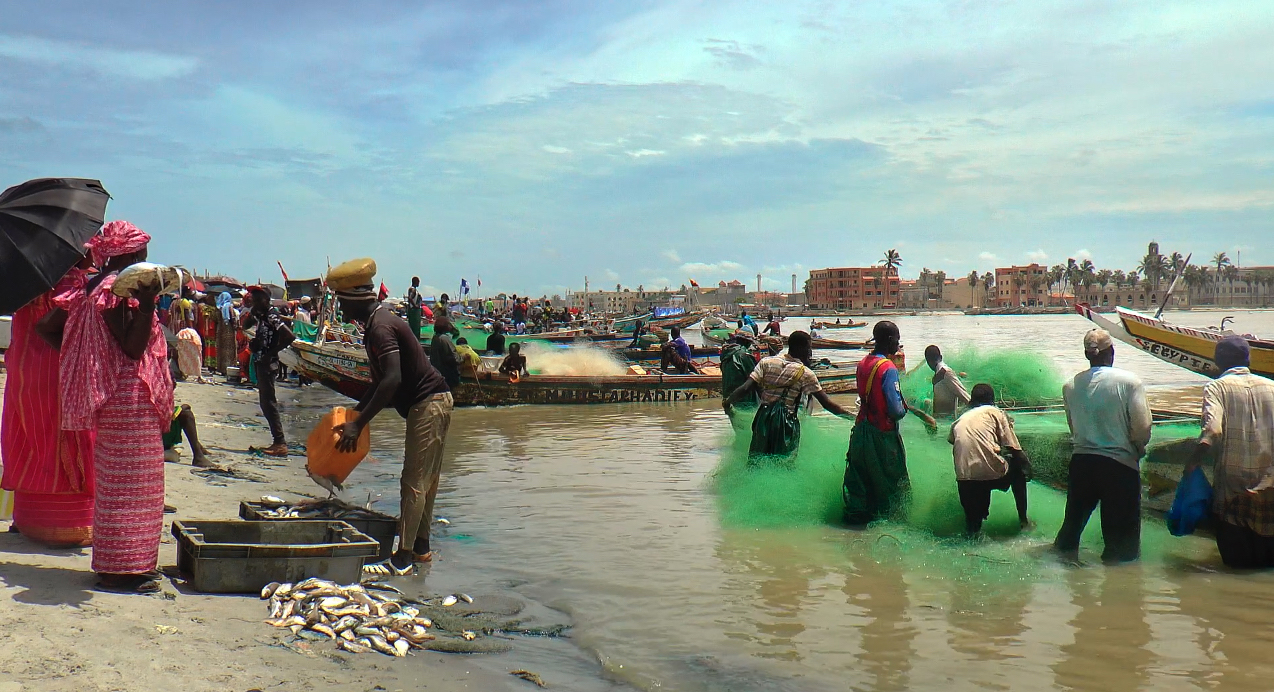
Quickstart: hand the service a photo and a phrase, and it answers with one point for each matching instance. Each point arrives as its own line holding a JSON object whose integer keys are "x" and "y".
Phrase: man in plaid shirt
{"x": 1238, "y": 431}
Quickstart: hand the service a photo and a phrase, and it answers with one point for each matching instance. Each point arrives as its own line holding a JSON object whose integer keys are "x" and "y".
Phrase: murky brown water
{"x": 607, "y": 513}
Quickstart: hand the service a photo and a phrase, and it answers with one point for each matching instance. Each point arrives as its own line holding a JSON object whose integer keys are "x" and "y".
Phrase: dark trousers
{"x": 1243, "y": 548}
{"x": 269, "y": 400}
{"x": 1101, "y": 480}
{"x": 975, "y": 496}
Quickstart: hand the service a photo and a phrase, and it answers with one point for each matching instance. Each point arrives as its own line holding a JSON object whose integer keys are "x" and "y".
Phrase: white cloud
{"x": 555, "y": 150}
{"x": 672, "y": 255}
{"x": 714, "y": 269}
{"x": 1083, "y": 254}
{"x": 1037, "y": 255}
{"x": 641, "y": 153}
{"x": 611, "y": 275}
{"x": 144, "y": 65}
{"x": 987, "y": 256}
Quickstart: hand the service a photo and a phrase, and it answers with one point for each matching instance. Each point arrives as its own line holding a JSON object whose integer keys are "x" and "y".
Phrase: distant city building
{"x": 853, "y": 288}
{"x": 1021, "y": 285}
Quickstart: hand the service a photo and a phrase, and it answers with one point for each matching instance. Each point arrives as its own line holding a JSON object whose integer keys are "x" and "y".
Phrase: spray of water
{"x": 546, "y": 359}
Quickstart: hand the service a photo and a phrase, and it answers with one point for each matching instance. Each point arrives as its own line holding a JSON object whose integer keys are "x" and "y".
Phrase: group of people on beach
{"x": 1106, "y": 410}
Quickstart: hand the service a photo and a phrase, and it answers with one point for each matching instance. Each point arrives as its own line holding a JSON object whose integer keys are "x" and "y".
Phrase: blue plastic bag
{"x": 1191, "y": 504}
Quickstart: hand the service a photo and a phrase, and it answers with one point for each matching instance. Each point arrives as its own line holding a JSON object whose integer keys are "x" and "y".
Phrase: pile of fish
{"x": 274, "y": 508}
{"x": 360, "y": 618}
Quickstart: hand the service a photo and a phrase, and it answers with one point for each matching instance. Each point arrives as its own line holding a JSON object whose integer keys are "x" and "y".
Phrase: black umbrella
{"x": 44, "y": 224}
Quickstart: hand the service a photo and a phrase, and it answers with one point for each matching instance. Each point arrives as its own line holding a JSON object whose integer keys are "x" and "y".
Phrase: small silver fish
{"x": 354, "y": 647}
{"x": 468, "y": 635}
{"x": 324, "y": 630}
{"x": 330, "y": 603}
{"x": 401, "y": 647}
{"x": 269, "y": 589}
{"x": 311, "y": 635}
{"x": 284, "y": 590}
{"x": 348, "y": 635}
{"x": 442, "y": 520}
{"x": 449, "y": 601}
{"x": 465, "y": 597}
{"x": 380, "y": 644}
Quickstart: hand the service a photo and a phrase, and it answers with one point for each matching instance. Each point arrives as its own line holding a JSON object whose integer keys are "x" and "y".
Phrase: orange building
{"x": 852, "y": 288}
{"x": 1014, "y": 286}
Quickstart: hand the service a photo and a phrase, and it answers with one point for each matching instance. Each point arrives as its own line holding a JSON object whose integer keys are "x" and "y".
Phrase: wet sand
{"x": 57, "y": 633}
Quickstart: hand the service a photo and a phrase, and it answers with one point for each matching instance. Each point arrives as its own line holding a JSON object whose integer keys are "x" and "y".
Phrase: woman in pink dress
{"x": 49, "y": 470}
{"x": 115, "y": 381}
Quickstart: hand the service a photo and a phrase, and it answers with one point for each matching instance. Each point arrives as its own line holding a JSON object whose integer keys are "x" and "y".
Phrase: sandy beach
{"x": 58, "y": 633}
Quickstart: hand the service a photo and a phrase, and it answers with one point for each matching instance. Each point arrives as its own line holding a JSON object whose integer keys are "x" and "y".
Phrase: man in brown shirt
{"x": 401, "y": 377}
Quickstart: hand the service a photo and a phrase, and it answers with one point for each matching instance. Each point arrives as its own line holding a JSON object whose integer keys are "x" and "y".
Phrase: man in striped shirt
{"x": 1238, "y": 432}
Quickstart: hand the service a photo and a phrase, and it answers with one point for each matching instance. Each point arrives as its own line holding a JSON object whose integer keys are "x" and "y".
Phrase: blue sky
{"x": 651, "y": 142}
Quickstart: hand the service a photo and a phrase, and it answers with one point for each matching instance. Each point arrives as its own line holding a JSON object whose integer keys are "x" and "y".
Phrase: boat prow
{"x": 1191, "y": 348}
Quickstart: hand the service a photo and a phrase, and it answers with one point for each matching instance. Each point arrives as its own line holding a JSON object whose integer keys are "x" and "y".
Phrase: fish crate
{"x": 378, "y": 525}
{"x": 244, "y": 556}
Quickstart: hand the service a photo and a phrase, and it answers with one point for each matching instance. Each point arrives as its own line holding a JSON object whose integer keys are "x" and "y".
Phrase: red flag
{"x": 285, "y": 274}
{"x": 384, "y": 292}
{"x": 694, "y": 283}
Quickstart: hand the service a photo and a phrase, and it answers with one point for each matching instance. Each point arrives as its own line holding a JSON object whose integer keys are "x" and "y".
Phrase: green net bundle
{"x": 1021, "y": 377}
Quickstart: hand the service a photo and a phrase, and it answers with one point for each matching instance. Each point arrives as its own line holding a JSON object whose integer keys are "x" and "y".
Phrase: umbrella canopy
{"x": 44, "y": 224}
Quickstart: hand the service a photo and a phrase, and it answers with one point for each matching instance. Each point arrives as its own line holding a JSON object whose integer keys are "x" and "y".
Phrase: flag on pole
{"x": 694, "y": 283}
{"x": 464, "y": 287}
{"x": 285, "y": 274}
{"x": 384, "y": 292}
{"x": 479, "y": 281}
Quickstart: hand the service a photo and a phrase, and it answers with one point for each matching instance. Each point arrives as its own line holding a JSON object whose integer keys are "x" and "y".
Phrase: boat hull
{"x": 344, "y": 369}
{"x": 1186, "y": 347}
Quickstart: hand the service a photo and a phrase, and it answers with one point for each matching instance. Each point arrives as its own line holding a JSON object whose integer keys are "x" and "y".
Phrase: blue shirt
{"x": 892, "y": 390}
{"x": 683, "y": 349}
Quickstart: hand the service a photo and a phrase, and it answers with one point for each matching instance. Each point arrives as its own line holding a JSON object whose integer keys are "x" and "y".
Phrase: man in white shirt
{"x": 1109, "y": 420}
{"x": 948, "y": 390}
{"x": 980, "y": 438}
{"x": 1238, "y": 433}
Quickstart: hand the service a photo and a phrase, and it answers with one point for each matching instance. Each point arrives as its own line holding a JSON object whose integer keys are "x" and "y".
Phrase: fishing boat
{"x": 648, "y": 355}
{"x": 626, "y": 325}
{"x": 343, "y": 368}
{"x": 1191, "y": 348}
{"x": 837, "y": 325}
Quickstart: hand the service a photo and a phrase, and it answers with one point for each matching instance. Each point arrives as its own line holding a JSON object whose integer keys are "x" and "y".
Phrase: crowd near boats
{"x": 101, "y": 335}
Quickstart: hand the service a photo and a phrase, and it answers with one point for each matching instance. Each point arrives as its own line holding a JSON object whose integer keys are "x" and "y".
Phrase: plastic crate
{"x": 382, "y": 527}
{"x": 244, "y": 556}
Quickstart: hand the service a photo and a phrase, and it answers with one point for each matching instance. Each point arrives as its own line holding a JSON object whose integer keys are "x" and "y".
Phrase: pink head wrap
{"x": 117, "y": 238}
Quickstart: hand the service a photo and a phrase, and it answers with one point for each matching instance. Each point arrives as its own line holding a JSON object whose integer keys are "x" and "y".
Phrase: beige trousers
{"x": 427, "y": 424}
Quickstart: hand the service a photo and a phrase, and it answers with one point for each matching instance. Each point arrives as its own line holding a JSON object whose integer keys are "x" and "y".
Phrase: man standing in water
{"x": 876, "y": 480}
{"x": 979, "y": 439}
{"x": 1109, "y": 420}
{"x": 401, "y": 377}
{"x": 272, "y": 336}
{"x": 783, "y": 383}
{"x": 948, "y": 390}
{"x": 1238, "y": 432}
{"x": 415, "y": 306}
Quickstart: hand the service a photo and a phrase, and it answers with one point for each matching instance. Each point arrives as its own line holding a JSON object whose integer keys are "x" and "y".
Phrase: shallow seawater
{"x": 682, "y": 569}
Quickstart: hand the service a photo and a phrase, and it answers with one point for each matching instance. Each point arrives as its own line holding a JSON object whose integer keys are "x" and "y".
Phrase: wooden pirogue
{"x": 720, "y": 336}
{"x": 343, "y": 368}
{"x": 837, "y": 325}
{"x": 1191, "y": 348}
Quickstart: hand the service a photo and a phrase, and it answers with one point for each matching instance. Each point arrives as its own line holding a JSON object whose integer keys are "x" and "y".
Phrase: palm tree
{"x": 1118, "y": 278}
{"x": 988, "y": 281}
{"x": 1056, "y": 275}
{"x": 1231, "y": 275}
{"x": 1103, "y": 279}
{"x": 1220, "y": 260}
{"x": 1176, "y": 261}
{"x": 974, "y": 279}
{"x": 891, "y": 262}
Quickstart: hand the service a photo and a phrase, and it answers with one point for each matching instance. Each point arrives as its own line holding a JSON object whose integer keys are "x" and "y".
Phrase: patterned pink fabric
{"x": 129, "y": 512}
{"x": 38, "y": 456}
{"x": 117, "y": 238}
{"x": 93, "y": 364}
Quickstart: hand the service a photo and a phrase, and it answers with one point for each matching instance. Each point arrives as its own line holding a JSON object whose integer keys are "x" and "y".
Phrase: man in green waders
{"x": 737, "y": 363}
{"x": 783, "y": 384}
{"x": 876, "y": 481}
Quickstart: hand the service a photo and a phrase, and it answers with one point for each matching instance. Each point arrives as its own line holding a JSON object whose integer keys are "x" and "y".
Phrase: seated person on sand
{"x": 514, "y": 364}
{"x": 183, "y": 421}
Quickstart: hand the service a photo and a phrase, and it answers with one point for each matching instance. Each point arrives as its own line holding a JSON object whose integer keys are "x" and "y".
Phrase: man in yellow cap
{"x": 401, "y": 377}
